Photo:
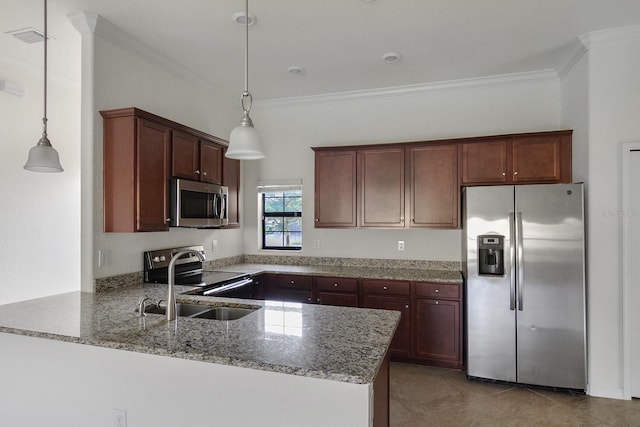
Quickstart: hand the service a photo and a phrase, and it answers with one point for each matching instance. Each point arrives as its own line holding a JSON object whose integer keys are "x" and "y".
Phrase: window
{"x": 281, "y": 218}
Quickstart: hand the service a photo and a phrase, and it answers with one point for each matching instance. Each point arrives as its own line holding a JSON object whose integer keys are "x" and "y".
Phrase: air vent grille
{"x": 28, "y": 35}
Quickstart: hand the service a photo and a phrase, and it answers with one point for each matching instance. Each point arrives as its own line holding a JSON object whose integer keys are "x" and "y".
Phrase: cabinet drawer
{"x": 337, "y": 284}
{"x": 388, "y": 287}
{"x": 437, "y": 290}
{"x": 292, "y": 281}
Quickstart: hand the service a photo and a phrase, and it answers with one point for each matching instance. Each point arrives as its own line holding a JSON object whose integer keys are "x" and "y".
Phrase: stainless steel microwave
{"x": 198, "y": 204}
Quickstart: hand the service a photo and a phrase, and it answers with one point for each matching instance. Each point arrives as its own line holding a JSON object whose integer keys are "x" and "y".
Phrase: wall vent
{"x": 28, "y": 35}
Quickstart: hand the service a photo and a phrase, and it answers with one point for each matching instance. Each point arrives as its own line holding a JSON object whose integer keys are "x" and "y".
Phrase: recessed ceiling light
{"x": 238, "y": 17}
{"x": 296, "y": 70}
{"x": 391, "y": 57}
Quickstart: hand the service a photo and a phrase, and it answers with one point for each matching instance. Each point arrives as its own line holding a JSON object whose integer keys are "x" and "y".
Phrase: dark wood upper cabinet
{"x": 185, "y": 159}
{"x": 142, "y": 152}
{"x": 433, "y": 186}
{"x": 534, "y": 158}
{"x": 135, "y": 172}
{"x": 195, "y": 159}
{"x": 382, "y": 182}
{"x": 210, "y": 162}
{"x": 335, "y": 188}
{"x": 485, "y": 162}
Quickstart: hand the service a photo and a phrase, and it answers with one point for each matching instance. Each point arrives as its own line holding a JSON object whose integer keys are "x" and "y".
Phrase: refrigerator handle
{"x": 512, "y": 257}
{"x": 520, "y": 250}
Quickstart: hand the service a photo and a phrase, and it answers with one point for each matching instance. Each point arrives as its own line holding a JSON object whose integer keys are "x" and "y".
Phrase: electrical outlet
{"x": 401, "y": 245}
{"x": 103, "y": 258}
{"x": 119, "y": 418}
{"x": 214, "y": 245}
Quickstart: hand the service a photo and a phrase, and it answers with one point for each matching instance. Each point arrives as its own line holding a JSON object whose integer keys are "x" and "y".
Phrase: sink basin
{"x": 225, "y": 313}
{"x": 204, "y": 311}
{"x": 183, "y": 309}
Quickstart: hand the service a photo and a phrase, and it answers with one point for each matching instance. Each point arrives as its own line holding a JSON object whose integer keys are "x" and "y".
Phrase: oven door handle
{"x": 228, "y": 287}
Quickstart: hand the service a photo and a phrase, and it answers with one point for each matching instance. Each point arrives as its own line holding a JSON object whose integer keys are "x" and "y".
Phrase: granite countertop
{"x": 300, "y": 339}
{"x": 408, "y": 274}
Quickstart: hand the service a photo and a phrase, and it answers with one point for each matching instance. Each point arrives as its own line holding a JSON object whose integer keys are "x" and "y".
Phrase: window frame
{"x": 264, "y": 215}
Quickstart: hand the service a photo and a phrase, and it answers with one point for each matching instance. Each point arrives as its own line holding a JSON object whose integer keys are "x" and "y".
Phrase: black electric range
{"x": 189, "y": 271}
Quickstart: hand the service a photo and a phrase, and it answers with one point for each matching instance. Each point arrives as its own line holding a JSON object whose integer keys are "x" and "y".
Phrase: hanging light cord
{"x": 45, "y": 140}
{"x": 246, "y": 95}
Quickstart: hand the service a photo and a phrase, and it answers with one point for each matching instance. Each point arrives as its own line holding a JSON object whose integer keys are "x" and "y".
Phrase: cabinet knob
{"x": 318, "y": 299}
{"x": 204, "y": 173}
{"x": 309, "y": 299}
{"x": 515, "y": 173}
{"x": 293, "y": 282}
{"x": 197, "y": 172}
{"x": 437, "y": 302}
{"x": 335, "y": 285}
{"x": 406, "y": 306}
{"x": 437, "y": 290}
{"x": 385, "y": 288}
{"x": 504, "y": 174}
{"x": 317, "y": 220}
{"x": 402, "y": 220}
{"x": 168, "y": 219}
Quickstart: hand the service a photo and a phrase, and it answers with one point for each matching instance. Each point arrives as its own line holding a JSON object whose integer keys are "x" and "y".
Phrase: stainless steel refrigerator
{"x": 524, "y": 251}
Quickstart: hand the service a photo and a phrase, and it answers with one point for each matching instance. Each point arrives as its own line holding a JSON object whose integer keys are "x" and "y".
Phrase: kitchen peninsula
{"x": 285, "y": 364}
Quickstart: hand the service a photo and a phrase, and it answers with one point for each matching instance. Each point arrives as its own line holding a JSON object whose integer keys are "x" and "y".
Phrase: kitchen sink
{"x": 201, "y": 311}
{"x": 225, "y": 313}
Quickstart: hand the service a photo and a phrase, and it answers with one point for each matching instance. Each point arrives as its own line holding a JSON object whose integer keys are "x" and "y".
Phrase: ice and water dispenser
{"x": 491, "y": 255}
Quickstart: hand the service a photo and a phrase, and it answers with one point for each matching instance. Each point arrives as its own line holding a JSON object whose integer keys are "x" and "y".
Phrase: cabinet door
{"x": 152, "y": 177}
{"x": 485, "y": 162}
{"x": 210, "y": 162}
{"x": 437, "y": 330}
{"x": 382, "y": 183}
{"x": 335, "y": 188}
{"x": 401, "y": 344}
{"x": 231, "y": 179}
{"x": 184, "y": 156}
{"x": 537, "y": 159}
{"x": 292, "y": 295}
{"x": 433, "y": 183}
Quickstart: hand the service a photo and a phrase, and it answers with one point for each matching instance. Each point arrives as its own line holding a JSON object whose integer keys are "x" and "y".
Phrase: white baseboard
{"x": 605, "y": 391}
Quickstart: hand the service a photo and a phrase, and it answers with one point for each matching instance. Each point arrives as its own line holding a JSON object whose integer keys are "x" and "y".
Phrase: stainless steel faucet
{"x": 171, "y": 299}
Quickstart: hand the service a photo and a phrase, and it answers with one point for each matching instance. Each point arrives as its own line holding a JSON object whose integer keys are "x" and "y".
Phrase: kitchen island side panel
{"x": 79, "y": 385}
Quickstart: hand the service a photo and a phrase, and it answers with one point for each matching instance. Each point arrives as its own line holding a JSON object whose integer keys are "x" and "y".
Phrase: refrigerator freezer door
{"x": 491, "y": 321}
{"x": 551, "y": 316}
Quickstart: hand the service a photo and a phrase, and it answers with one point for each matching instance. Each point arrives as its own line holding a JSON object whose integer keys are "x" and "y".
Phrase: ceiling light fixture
{"x": 391, "y": 57}
{"x": 43, "y": 157}
{"x": 244, "y": 141}
{"x": 296, "y": 70}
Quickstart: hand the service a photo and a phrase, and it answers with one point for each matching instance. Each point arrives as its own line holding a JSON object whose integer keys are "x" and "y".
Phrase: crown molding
{"x": 418, "y": 89}
{"x": 614, "y": 35}
{"x": 92, "y": 23}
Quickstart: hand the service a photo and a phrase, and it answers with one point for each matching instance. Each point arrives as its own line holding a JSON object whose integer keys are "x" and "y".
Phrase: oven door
{"x": 244, "y": 288}
{"x": 198, "y": 204}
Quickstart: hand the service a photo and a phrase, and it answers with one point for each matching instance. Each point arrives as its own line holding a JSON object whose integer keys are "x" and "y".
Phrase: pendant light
{"x": 43, "y": 157}
{"x": 244, "y": 141}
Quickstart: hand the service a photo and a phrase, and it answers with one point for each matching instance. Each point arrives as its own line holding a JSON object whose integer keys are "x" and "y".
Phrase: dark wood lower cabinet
{"x": 430, "y": 328}
{"x": 401, "y": 344}
{"x": 437, "y": 331}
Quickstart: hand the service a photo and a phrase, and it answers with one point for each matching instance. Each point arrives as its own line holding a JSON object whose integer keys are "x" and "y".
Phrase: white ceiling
{"x": 338, "y": 42}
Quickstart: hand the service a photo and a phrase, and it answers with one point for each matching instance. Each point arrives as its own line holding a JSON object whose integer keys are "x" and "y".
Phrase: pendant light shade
{"x": 43, "y": 157}
{"x": 244, "y": 141}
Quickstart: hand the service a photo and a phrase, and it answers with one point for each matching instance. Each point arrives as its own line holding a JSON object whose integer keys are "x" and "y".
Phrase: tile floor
{"x": 427, "y": 396}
